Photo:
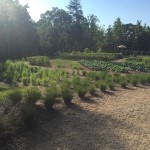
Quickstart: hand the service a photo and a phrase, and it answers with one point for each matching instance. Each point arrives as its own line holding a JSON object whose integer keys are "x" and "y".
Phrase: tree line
{"x": 63, "y": 30}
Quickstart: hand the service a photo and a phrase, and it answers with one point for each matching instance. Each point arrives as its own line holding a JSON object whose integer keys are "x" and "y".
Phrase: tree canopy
{"x": 63, "y": 30}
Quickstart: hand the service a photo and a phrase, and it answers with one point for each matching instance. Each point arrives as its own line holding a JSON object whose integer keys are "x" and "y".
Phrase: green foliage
{"x": 31, "y": 95}
{"x": 5, "y": 123}
{"x": 148, "y": 79}
{"x": 111, "y": 86}
{"x": 66, "y": 93}
{"x": 134, "y": 82}
{"x": 50, "y": 96}
{"x": 89, "y": 56}
{"x": 81, "y": 86}
{"x": 133, "y": 65}
{"x": 143, "y": 80}
{"x": 123, "y": 83}
{"x": 59, "y": 63}
{"x": 81, "y": 91}
{"x": 17, "y": 32}
{"x": 39, "y": 61}
{"x": 103, "y": 87}
{"x": 25, "y": 81}
{"x": 84, "y": 73}
{"x": 15, "y": 96}
{"x": 103, "y": 66}
{"x": 93, "y": 75}
{"x": 86, "y": 50}
{"x": 92, "y": 89}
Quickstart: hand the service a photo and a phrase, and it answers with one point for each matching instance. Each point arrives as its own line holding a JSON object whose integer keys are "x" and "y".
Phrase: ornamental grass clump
{"x": 81, "y": 91}
{"x": 81, "y": 86}
{"x": 31, "y": 95}
{"x": 5, "y": 124}
{"x": 84, "y": 73}
{"x": 15, "y": 96}
{"x": 103, "y": 87}
{"x": 50, "y": 96}
{"x": 142, "y": 80}
{"x": 66, "y": 93}
{"x": 111, "y": 86}
{"x": 134, "y": 81}
{"x": 148, "y": 79}
{"x": 123, "y": 84}
{"x": 92, "y": 89}
{"x": 93, "y": 75}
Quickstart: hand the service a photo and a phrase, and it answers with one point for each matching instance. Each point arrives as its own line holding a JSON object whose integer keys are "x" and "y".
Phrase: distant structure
{"x": 123, "y": 49}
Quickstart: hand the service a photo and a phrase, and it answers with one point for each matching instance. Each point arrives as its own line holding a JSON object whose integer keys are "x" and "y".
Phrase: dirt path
{"x": 112, "y": 121}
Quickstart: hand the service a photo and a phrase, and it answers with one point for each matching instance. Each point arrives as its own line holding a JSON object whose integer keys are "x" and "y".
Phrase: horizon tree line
{"x": 64, "y": 31}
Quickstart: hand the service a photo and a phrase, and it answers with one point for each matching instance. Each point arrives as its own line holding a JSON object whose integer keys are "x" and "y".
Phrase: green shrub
{"x": 148, "y": 79}
{"x": 25, "y": 81}
{"x": 5, "y": 123}
{"x": 50, "y": 97}
{"x": 111, "y": 86}
{"x": 66, "y": 93}
{"x": 103, "y": 87}
{"x": 76, "y": 81}
{"x": 39, "y": 61}
{"x": 117, "y": 79}
{"x": 134, "y": 82}
{"x": 15, "y": 96}
{"x": 73, "y": 72}
{"x": 92, "y": 90}
{"x": 80, "y": 86}
{"x": 93, "y": 75}
{"x": 81, "y": 91}
{"x": 84, "y": 73}
{"x": 143, "y": 80}
{"x": 31, "y": 95}
{"x": 123, "y": 84}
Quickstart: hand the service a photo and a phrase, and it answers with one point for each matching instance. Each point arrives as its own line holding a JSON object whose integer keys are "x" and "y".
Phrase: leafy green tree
{"x": 118, "y": 32}
{"x": 76, "y": 28}
{"x": 18, "y": 36}
{"x": 53, "y": 29}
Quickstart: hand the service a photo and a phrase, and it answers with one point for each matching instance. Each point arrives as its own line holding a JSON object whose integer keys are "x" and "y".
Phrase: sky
{"x": 106, "y": 10}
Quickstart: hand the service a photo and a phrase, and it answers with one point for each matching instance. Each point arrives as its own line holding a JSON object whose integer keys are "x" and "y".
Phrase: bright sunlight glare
{"x": 36, "y": 8}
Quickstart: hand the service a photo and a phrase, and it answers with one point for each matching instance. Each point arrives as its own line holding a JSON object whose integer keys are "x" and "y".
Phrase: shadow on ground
{"x": 72, "y": 128}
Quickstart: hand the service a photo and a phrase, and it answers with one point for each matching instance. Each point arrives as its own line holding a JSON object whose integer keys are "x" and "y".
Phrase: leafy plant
{"x": 134, "y": 82}
{"x": 123, "y": 84}
{"x": 39, "y": 61}
{"x": 111, "y": 86}
{"x": 66, "y": 93}
{"x": 15, "y": 96}
{"x": 50, "y": 97}
{"x": 31, "y": 95}
{"x": 103, "y": 87}
{"x": 5, "y": 123}
{"x": 92, "y": 89}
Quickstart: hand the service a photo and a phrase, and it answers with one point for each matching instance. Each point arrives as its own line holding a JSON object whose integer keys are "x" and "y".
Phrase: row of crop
{"x": 92, "y": 83}
{"x": 115, "y": 66}
{"x": 39, "y": 61}
{"x": 91, "y": 56}
{"x": 134, "y": 66}
{"x": 20, "y": 72}
{"x": 101, "y": 66}
{"x": 145, "y": 60}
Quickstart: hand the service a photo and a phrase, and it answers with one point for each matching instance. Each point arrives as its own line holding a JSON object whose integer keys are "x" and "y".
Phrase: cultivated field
{"x": 75, "y": 104}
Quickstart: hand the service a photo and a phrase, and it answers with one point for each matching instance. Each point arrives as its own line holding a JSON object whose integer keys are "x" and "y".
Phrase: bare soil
{"x": 118, "y": 120}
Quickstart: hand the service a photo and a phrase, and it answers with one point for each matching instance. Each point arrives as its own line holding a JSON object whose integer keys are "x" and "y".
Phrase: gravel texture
{"x": 118, "y": 120}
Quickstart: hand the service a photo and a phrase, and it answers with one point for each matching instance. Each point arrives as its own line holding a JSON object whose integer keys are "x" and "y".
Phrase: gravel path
{"x": 112, "y": 121}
